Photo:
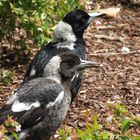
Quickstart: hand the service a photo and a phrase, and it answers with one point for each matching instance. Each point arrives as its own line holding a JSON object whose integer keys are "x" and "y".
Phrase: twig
{"x": 113, "y": 53}
{"x": 105, "y": 27}
{"x": 112, "y": 38}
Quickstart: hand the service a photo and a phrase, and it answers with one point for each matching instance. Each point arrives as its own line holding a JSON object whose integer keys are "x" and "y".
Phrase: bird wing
{"x": 37, "y": 65}
{"x": 31, "y": 106}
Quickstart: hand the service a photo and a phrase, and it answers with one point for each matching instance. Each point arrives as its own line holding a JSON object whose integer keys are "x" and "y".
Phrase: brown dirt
{"x": 115, "y": 43}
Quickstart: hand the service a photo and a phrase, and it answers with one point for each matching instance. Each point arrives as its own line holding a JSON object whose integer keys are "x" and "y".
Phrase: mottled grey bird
{"x": 40, "y": 105}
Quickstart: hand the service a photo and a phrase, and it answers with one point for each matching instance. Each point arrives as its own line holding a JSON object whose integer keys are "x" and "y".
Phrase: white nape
{"x": 51, "y": 70}
{"x": 64, "y": 30}
{"x": 23, "y": 106}
{"x": 58, "y": 99}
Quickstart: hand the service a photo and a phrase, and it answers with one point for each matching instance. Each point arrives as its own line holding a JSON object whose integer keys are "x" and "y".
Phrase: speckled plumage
{"x": 40, "y": 105}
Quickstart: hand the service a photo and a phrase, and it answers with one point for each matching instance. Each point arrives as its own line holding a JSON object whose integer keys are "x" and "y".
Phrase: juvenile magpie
{"x": 68, "y": 36}
{"x": 40, "y": 105}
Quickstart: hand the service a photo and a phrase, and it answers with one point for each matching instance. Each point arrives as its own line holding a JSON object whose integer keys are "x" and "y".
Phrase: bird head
{"x": 71, "y": 64}
{"x": 64, "y": 66}
{"x": 73, "y": 24}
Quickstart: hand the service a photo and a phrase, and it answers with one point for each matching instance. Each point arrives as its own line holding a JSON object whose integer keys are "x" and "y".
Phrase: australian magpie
{"x": 68, "y": 36}
{"x": 40, "y": 105}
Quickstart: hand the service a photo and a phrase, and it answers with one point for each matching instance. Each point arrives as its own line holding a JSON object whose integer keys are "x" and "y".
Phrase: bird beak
{"x": 93, "y": 16}
{"x": 87, "y": 64}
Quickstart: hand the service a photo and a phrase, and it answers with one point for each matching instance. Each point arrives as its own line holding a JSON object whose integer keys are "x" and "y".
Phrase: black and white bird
{"x": 40, "y": 105}
{"x": 68, "y": 36}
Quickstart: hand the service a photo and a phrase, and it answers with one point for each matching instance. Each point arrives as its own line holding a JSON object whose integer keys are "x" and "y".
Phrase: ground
{"x": 114, "y": 42}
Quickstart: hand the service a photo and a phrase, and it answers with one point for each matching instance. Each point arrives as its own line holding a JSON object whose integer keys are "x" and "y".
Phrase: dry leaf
{"x": 111, "y": 12}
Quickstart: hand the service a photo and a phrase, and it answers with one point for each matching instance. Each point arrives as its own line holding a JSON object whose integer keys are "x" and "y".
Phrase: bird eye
{"x": 83, "y": 20}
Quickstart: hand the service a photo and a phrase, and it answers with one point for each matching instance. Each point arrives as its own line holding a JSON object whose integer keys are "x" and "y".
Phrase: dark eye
{"x": 69, "y": 63}
{"x": 82, "y": 21}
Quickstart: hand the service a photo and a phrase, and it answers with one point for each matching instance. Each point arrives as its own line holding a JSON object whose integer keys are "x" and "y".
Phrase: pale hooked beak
{"x": 87, "y": 64}
{"x": 93, "y": 16}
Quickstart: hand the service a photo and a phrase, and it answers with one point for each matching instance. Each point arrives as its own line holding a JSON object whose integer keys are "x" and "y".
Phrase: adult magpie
{"x": 68, "y": 36}
{"x": 40, "y": 105}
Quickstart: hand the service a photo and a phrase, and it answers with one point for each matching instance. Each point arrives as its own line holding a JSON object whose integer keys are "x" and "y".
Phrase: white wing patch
{"x": 11, "y": 99}
{"x": 23, "y": 106}
{"x": 35, "y": 104}
{"x": 58, "y": 99}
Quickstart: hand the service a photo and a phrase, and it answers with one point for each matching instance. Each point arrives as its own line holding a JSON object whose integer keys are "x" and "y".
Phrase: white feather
{"x": 12, "y": 99}
{"x": 70, "y": 46}
{"x": 32, "y": 72}
{"x": 23, "y": 135}
{"x": 75, "y": 76}
{"x": 35, "y": 104}
{"x": 58, "y": 99}
{"x": 23, "y": 106}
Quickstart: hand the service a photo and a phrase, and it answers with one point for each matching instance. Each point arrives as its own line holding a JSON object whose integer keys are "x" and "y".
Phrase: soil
{"x": 114, "y": 42}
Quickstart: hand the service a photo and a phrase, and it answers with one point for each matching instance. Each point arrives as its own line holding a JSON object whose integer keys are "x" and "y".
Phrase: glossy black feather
{"x": 78, "y": 20}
